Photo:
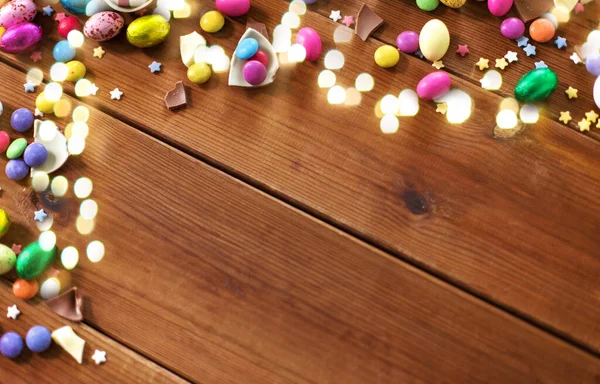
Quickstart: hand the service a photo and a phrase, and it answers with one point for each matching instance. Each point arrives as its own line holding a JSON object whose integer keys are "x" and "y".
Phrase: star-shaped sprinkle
{"x": 99, "y": 357}
{"x": 438, "y": 64}
{"x": 575, "y": 58}
{"x": 522, "y": 41}
{"x": 16, "y": 248}
{"x": 116, "y": 94}
{"x": 36, "y": 56}
{"x": 565, "y": 117}
{"x": 442, "y": 108}
{"x": 13, "y": 312}
{"x": 584, "y": 125}
{"x": 540, "y": 64}
{"x": 29, "y": 87}
{"x": 348, "y": 21}
{"x": 463, "y": 50}
{"x": 38, "y": 113}
{"x": 59, "y": 17}
{"x": 48, "y": 11}
{"x": 501, "y": 63}
{"x": 591, "y": 116}
{"x": 511, "y": 56}
{"x": 560, "y": 42}
{"x": 419, "y": 54}
{"x": 93, "y": 89}
{"x": 40, "y": 215}
{"x": 155, "y": 67}
{"x": 483, "y": 63}
{"x": 530, "y": 50}
{"x": 99, "y": 52}
{"x": 335, "y": 16}
{"x": 578, "y": 8}
{"x": 571, "y": 92}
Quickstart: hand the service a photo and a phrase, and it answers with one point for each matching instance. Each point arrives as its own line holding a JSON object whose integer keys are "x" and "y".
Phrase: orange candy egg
{"x": 25, "y": 289}
{"x": 542, "y": 30}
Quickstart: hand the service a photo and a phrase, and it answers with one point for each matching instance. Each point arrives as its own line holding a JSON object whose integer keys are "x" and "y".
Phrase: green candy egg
{"x": 536, "y": 85}
{"x": 148, "y": 31}
{"x": 428, "y": 5}
{"x": 7, "y": 259}
{"x": 16, "y": 148}
{"x": 33, "y": 260}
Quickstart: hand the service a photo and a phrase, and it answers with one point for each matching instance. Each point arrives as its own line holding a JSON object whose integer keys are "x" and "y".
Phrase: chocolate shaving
{"x": 532, "y": 9}
{"x": 260, "y": 27}
{"x": 176, "y": 98}
{"x": 67, "y": 305}
{"x": 367, "y": 22}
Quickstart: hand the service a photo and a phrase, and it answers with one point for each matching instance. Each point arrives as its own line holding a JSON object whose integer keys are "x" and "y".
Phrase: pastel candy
{"x": 499, "y": 7}
{"x": 597, "y": 92}
{"x": 408, "y": 42}
{"x": 434, "y": 85}
{"x": 246, "y": 48}
{"x": 233, "y": 8}
{"x": 254, "y": 72}
{"x": 311, "y": 41}
{"x": 76, "y": 7}
{"x": 21, "y": 38}
{"x": 103, "y": 26}
{"x": 434, "y": 40}
{"x": 17, "y": 12}
{"x": 512, "y": 28}
{"x": 7, "y": 259}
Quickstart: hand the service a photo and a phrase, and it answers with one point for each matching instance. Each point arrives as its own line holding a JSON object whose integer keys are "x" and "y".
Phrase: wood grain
{"x": 223, "y": 284}
{"x": 57, "y": 366}
{"x": 514, "y": 221}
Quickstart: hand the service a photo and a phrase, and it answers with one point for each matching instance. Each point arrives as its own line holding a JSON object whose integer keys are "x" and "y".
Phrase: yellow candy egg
{"x": 2, "y": 30}
{"x": 434, "y": 40}
{"x": 387, "y": 56}
{"x": 199, "y": 73}
{"x": 148, "y": 31}
{"x": 212, "y": 21}
{"x": 454, "y": 3}
{"x": 44, "y": 105}
{"x": 76, "y": 70}
{"x": 4, "y": 222}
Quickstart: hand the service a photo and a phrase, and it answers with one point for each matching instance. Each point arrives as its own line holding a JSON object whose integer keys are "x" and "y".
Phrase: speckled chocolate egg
{"x": 103, "y": 26}
{"x": 21, "y": 38}
{"x": 17, "y": 12}
{"x": 454, "y": 3}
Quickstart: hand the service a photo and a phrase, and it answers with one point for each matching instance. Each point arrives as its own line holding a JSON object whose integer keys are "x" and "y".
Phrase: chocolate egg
{"x": 33, "y": 260}
{"x": 17, "y": 12}
{"x": 103, "y": 26}
{"x": 148, "y": 31}
{"x": 21, "y": 38}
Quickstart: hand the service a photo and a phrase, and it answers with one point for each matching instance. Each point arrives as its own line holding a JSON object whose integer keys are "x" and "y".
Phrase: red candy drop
{"x": 68, "y": 24}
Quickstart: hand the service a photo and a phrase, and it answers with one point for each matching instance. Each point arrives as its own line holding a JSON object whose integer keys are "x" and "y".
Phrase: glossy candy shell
{"x": 536, "y": 85}
{"x": 33, "y": 260}
{"x": 21, "y": 38}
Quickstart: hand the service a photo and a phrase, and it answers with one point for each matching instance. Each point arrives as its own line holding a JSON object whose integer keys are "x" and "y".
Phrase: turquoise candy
{"x": 76, "y": 7}
{"x": 537, "y": 85}
{"x": 33, "y": 260}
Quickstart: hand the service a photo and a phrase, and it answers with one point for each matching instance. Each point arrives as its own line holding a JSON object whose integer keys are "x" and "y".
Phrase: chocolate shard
{"x": 176, "y": 98}
{"x": 367, "y": 22}
{"x": 67, "y": 305}
{"x": 532, "y": 9}
{"x": 260, "y": 27}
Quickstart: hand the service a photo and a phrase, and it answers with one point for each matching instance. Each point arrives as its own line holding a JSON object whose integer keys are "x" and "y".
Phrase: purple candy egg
{"x": 254, "y": 72}
{"x": 21, "y": 38}
{"x": 21, "y": 120}
{"x": 11, "y": 345}
{"x": 592, "y": 63}
{"x": 16, "y": 169}
{"x": 512, "y": 28}
{"x": 408, "y": 42}
{"x": 35, "y": 155}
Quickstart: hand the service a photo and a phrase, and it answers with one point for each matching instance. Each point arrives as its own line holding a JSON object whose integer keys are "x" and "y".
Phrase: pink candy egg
{"x": 4, "y": 141}
{"x": 103, "y": 26}
{"x": 512, "y": 28}
{"x": 254, "y": 72}
{"x": 500, "y": 7}
{"x": 434, "y": 85}
{"x": 17, "y": 12}
{"x": 233, "y": 8}
{"x": 21, "y": 38}
{"x": 310, "y": 39}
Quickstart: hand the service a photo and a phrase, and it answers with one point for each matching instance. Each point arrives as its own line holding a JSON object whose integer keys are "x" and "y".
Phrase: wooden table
{"x": 265, "y": 236}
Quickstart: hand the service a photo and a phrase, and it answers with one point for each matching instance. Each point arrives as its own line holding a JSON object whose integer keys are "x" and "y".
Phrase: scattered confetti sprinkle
{"x": 565, "y": 117}
{"x": 463, "y": 50}
{"x": 155, "y": 67}
{"x": 116, "y": 94}
{"x": 48, "y": 11}
{"x": 335, "y": 16}
{"x": 38, "y": 113}
{"x": 530, "y": 50}
{"x": 511, "y": 56}
{"x": 591, "y": 116}
{"x": 483, "y": 63}
{"x": 442, "y": 108}
{"x": 571, "y": 92}
{"x": 522, "y": 41}
{"x": 16, "y": 248}
{"x": 36, "y": 56}
{"x": 99, "y": 357}
{"x": 13, "y": 312}
{"x": 348, "y": 21}
{"x": 99, "y": 52}
{"x": 575, "y": 58}
{"x": 584, "y": 125}
{"x": 93, "y": 89}
{"x": 438, "y": 64}
{"x": 59, "y": 17}
{"x": 40, "y": 215}
{"x": 560, "y": 42}
{"x": 501, "y": 63}
{"x": 578, "y": 8}
{"x": 29, "y": 87}
{"x": 540, "y": 64}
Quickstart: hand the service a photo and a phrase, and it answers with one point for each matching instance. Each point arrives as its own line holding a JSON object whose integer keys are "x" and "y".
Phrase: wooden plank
{"x": 55, "y": 365}
{"x": 223, "y": 284}
{"x": 514, "y": 221}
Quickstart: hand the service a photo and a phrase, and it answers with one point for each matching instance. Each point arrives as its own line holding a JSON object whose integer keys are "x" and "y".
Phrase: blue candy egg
{"x": 63, "y": 51}
{"x": 11, "y": 345}
{"x": 76, "y": 7}
{"x": 246, "y": 48}
{"x": 35, "y": 155}
{"x": 592, "y": 63}
{"x": 38, "y": 339}
{"x": 16, "y": 169}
